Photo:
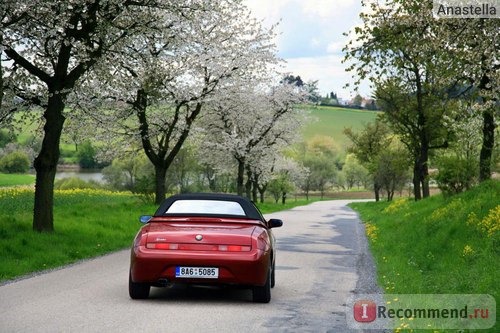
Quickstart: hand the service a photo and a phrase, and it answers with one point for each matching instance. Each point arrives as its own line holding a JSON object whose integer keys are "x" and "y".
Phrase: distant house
{"x": 343, "y": 101}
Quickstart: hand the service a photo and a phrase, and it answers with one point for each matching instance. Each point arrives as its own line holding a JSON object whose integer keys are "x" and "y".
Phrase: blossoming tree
{"x": 249, "y": 125}
{"x": 154, "y": 90}
{"x": 47, "y": 47}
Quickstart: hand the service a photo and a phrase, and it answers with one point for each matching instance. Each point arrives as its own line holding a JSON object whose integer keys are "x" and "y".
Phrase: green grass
{"x": 437, "y": 245}
{"x": 8, "y": 179}
{"x": 331, "y": 121}
{"x": 87, "y": 223}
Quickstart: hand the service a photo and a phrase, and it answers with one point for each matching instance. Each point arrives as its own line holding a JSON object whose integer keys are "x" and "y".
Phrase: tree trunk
{"x": 421, "y": 169}
{"x": 261, "y": 194}
{"x": 160, "y": 191}
{"x": 421, "y": 172}
{"x": 376, "y": 190}
{"x": 241, "y": 176}
{"x": 416, "y": 182}
{"x": 1, "y": 75}
{"x": 487, "y": 145}
{"x": 46, "y": 165}
{"x": 248, "y": 185}
{"x": 261, "y": 189}
{"x": 283, "y": 198}
{"x": 424, "y": 171}
{"x": 255, "y": 189}
{"x": 210, "y": 175}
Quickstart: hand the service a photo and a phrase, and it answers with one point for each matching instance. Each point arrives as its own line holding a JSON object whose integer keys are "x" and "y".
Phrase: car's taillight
{"x": 234, "y": 248}
{"x": 198, "y": 247}
{"x": 162, "y": 246}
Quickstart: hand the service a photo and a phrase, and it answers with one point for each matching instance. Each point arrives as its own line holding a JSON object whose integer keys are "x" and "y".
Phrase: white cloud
{"x": 326, "y": 9}
{"x": 330, "y": 73}
{"x": 315, "y": 42}
{"x": 311, "y": 39}
{"x": 270, "y": 11}
{"x": 335, "y": 47}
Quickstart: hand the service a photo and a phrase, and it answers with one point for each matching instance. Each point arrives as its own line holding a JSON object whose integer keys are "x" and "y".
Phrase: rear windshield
{"x": 206, "y": 207}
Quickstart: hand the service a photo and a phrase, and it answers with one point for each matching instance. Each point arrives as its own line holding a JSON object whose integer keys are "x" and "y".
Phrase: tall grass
{"x": 437, "y": 245}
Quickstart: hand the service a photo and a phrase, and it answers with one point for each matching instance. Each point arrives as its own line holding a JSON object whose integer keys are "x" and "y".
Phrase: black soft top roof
{"x": 250, "y": 209}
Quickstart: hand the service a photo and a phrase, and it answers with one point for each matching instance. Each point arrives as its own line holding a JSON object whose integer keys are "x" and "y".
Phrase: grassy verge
{"x": 438, "y": 245}
{"x": 87, "y": 223}
{"x": 16, "y": 179}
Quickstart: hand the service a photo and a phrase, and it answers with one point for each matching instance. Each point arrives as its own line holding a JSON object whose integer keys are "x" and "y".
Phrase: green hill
{"x": 331, "y": 121}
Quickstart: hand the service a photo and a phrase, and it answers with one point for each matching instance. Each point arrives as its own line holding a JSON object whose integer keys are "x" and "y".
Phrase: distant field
{"x": 331, "y": 121}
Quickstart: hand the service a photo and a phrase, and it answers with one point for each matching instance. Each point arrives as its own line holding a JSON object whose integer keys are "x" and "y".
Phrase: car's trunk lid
{"x": 201, "y": 231}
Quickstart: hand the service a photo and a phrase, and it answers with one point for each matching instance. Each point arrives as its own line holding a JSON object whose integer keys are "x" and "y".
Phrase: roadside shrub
{"x": 15, "y": 162}
{"x": 455, "y": 174}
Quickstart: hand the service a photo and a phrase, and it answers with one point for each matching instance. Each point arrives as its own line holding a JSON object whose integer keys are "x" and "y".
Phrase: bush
{"x": 455, "y": 174}
{"x": 145, "y": 187}
{"x": 86, "y": 156}
{"x": 15, "y": 162}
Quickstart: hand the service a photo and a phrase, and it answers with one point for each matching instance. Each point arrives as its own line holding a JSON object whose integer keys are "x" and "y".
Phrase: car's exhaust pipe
{"x": 163, "y": 282}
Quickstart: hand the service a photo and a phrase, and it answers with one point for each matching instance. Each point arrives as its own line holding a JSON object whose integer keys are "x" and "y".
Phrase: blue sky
{"x": 311, "y": 39}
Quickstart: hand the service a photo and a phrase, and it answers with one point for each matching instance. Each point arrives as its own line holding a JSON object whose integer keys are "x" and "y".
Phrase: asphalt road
{"x": 322, "y": 260}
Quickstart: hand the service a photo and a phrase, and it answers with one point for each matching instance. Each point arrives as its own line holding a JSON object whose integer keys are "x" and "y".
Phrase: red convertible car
{"x": 216, "y": 239}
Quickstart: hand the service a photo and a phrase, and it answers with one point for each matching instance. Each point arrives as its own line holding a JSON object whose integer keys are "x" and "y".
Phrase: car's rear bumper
{"x": 239, "y": 268}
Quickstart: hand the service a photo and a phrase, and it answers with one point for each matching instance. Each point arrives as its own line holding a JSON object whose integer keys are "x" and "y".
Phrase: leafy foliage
{"x": 87, "y": 155}
{"x": 418, "y": 66}
{"x": 392, "y": 170}
{"x": 367, "y": 145}
{"x": 455, "y": 174}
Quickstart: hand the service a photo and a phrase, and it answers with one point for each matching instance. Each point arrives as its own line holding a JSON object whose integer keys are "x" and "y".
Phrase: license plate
{"x": 197, "y": 272}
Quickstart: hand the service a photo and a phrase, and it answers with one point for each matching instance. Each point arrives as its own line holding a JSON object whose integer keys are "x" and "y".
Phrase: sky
{"x": 310, "y": 39}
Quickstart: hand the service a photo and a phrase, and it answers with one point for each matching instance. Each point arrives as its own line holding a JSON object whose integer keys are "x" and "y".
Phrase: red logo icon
{"x": 365, "y": 311}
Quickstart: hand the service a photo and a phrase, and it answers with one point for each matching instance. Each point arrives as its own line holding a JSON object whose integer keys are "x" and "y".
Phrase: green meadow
{"x": 331, "y": 121}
